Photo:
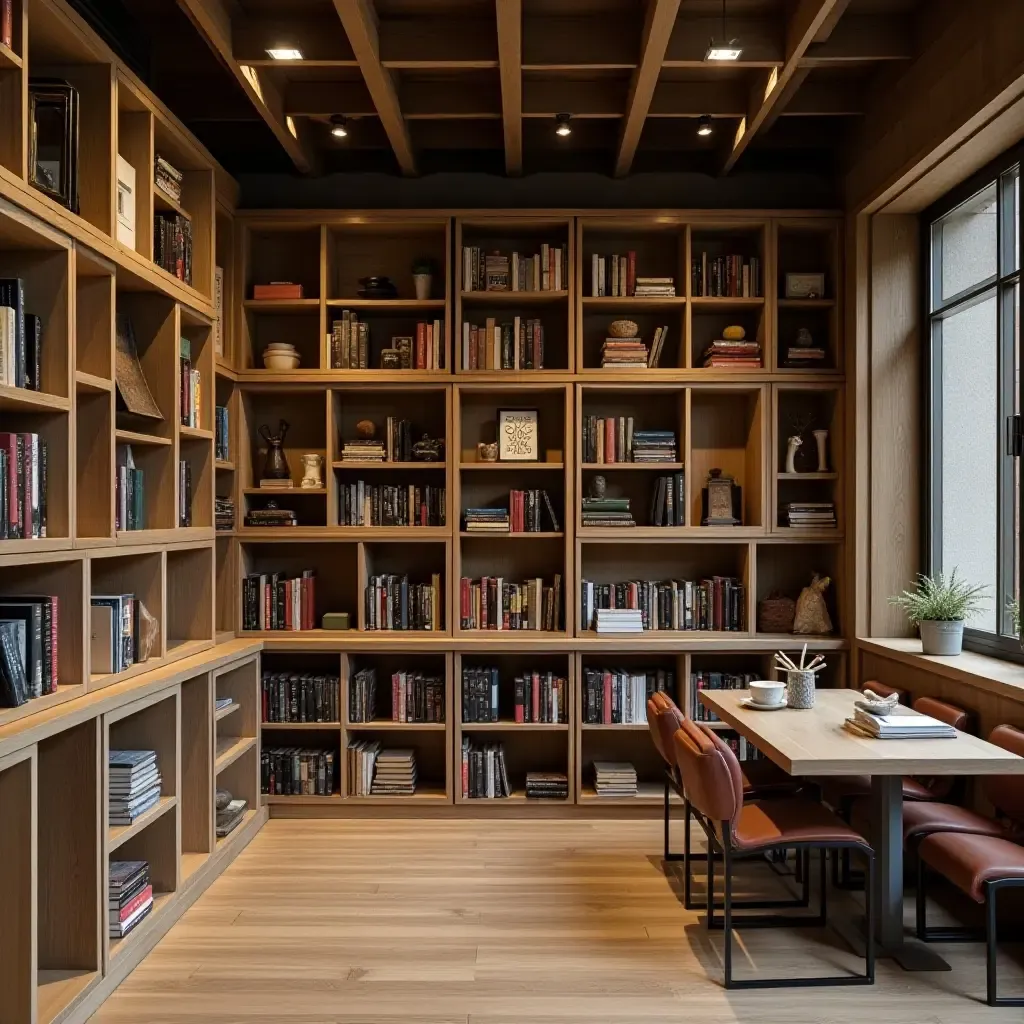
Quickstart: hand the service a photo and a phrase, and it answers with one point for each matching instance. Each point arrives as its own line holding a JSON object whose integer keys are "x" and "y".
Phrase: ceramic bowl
{"x": 280, "y": 361}
{"x": 623, "y": 329}
{"x": 280, "y": 346}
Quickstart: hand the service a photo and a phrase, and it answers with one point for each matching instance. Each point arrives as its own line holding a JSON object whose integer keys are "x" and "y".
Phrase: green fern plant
{"x": 940, "y": 598}
{"x": 1013, "y": 607}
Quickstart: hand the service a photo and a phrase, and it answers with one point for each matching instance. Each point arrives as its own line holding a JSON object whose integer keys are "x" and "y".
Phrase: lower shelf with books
{"x": 508, "y": 763}
{"x": 388, "y": 767}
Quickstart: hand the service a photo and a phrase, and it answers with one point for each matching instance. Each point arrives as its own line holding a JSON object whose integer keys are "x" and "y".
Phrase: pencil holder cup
{"x": 800, "y": 689}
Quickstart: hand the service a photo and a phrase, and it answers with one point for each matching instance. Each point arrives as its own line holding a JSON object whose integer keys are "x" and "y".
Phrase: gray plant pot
{"x": 942, "y": 638}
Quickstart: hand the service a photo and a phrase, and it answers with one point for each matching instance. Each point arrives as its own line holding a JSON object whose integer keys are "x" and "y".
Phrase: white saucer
{"x": 749, "y": 702}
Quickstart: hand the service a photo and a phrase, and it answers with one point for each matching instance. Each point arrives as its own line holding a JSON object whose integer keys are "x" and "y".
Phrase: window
{"x": 973, "y": 383}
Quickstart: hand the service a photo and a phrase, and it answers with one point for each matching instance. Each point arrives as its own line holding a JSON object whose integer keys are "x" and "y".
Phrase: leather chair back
{"x": 710, "y": 772}
{"x": 1006, "y": 792}
{"x": 942, "y": 786}
{"x": 663, "y": 720}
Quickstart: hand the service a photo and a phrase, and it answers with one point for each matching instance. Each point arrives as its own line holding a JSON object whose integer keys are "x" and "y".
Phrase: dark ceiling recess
{"x": 456, "y": 86}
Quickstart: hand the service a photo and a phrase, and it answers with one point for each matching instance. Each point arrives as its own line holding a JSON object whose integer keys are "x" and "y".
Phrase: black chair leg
{"x": 991, "y": 948}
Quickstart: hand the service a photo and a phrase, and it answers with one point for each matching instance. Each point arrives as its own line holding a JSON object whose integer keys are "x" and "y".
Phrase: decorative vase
{"x": 821, "y": 436}
{"x": 276, "y": 465}
{"x": 791, "y": 449}
{"x": 942, "y": 638}
{"x": 311, "y": 471}
{"x": 422, "y": 283}
{"x": 800, "y": 689}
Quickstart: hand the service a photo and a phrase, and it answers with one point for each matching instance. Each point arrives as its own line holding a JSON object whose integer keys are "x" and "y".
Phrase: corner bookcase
{"x": 736, "y": 419}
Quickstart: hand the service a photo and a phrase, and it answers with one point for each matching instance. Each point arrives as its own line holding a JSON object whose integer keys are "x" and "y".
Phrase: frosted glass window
{"x": 968, "y": 242}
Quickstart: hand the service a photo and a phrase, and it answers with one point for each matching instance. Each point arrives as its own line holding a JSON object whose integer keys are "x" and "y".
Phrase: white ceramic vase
{"x": 821, "y": 437}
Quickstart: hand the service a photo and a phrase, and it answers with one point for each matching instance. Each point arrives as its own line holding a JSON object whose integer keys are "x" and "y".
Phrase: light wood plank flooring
{"x": 496, "y": 922}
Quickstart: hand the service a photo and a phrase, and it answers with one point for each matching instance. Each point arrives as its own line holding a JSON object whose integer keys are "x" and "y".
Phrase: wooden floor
{"x": 496, "y": 922}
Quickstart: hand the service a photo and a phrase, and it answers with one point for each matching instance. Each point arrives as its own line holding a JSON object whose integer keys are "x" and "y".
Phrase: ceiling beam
{"x": 360, "y": 22}
{"x": 510, "y": 60}
{"x": 863, "y": 38}
{"x": 812, "y": 22}
{"x": 661, "y": 17}
{"x": 213, "y": 23}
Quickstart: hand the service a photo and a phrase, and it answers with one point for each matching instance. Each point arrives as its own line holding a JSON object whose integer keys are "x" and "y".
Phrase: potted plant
{"x": 423, "y": 277}
{"x": 938, "y": 606}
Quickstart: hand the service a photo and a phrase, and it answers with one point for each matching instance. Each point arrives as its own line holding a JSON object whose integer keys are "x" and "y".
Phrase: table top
{"x": 814, "y": 742}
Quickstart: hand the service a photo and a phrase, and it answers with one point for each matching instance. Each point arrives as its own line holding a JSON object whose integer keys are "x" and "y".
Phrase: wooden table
{"x": 814, "y": 742}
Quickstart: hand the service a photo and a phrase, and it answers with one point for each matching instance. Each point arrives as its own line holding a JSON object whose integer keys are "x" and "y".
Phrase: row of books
{"x": 274, "y": 601}
{"x": 611, "y": 439}
{"x": 29, "y": 651}
{"x": 528, "y": 511}
{"x": 365, "y": 504}
{"x": 493, "y": 602}
{"x": 484, "y": 773}
{"x": 23, "y": 486}
{"x": 393, "y": 603}
{"x": 415, "y": 697}
{"x": 172, "y": 244}
{"x": 725, "y": 276}
{"x": 184, "y": 493}
{"x": 129, "y": 492}
{"x": 517, "y": 344}
{"x": 715, "y": 604}
{"x": 130, "y": 896}
{"x": 810, "y": 515}
{"x": 536, "y": 696}
{"x": 714, "y": 681}
{"x": 613, "y": 275}
{"x": 373, "y": 771}
{"x": 668, "y": 500}
{"x": 222, "y": 434}
{"x": 133, "y": 785}
{"x": 619, "y": 697}
{"x": 350, "y": 346}
{"x": 189, "y": 386}
{"x": 21, "y": 338}
{"x": 398, "y": 440}
{"x": 299, "y": 697}
{"x": 115, "y": 628}
{"x": 544, "y": 271}
{"x": 297, "y": 771}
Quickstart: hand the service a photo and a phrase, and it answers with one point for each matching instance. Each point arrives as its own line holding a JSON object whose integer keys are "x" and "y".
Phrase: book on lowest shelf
{"x": 297, "y": 771}
{"x": 23, "y": 486}
{"x": 395, "y": 603}
{"x": 542, "y": 271}
{"x": 230, "y": 817}
{"x": 483, "y": 770}
{"x": 619, "y": 696}
{"x": 714, "y": 604}
{"x": 615, "y": 779}
{"x": 299, "y": 697}
{"x": 394, "y": 773}
{"x": 516, "y": 344}
{"x": 547, "y": 786}
{"x": 272, "y": 601}
{"x": 495, "y": 603}
{"x": 133, "y": 785}
{"x": 130, "y": 896}
{"x": 29, "y": 665}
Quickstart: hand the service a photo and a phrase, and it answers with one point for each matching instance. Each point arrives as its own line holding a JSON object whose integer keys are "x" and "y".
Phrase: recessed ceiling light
{"x": 563, "y": 128}
{"x": 704, "y": 126}
{"x": 338, "y": 126}
{"x": 284, "y": 53}
{"x": 723, "y": 48}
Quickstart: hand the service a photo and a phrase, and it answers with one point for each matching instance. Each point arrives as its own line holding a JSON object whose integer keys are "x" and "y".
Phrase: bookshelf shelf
{"x": 281, "y": 305}
{"x": 118, "y": 835}
{"x": 223, "y": 713}
{"x": 22, "y": 399}
{"x": 372, "y": 467}
{"x": 650, "y": 467}
{"x": 387, "y": 305}
{"x": 726, "y": 302}
{"x": 57, "y": 990}
{"x": 807, "y": 476}
{"x": 513, "y": 467}
{"x": 195, "y": 433}
{"x": 162, "y": 201}
{"x": 510, "y": 298}
{"x": 635, "y": 302}
{"x": 224, "y": 466}
{"x": 514, "y": 727}
{"x": 9, "y": 60}
{"x": 230, "y": 749}
{"x": 806, "y": 303}
{"x": 89, "y": 383}
{"x": 239, "y": 830}
{"x": 386, "y": 725}
{"x": 135, "y": 437}
{"x": 508, "y": 535}
{"x": 300, "y": 726}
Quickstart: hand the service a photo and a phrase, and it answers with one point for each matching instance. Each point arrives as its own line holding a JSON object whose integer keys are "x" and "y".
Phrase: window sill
{"x": 993, "y": 675}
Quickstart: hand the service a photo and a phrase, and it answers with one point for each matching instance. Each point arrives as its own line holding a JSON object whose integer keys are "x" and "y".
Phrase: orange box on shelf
{"x": 277, "y": 290}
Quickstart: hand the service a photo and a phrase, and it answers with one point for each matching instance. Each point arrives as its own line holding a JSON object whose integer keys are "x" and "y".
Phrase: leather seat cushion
{"x": 765, "y": 823}
{"x": 969, "y": 861}
{"x": 922, "y": 819}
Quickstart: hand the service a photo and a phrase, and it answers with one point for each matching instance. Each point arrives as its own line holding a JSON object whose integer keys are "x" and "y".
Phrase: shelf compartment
{"x": 68, "y": 813}
{"x": 189, "y": 596}
{"x": 594, "y": 330}
{"x": 135, "y": 146}
{"x": 386, "y": 322}
{"x": 385, "y": 664}
{"x": 477, "y": 414}
{"x": 503, "y": 308}
{"x": 301, "y": 328}
{"x": 19, "y": 882}
{"x": 306, "y": 414}
{"x": 198, "y": 454}
{"x": 283, "y": 254}
{"x": 13, "y": 100}
{"x": 525, "y": 751}
{"x": 788, "y": 568}
{"x": 419, "y": 560}
{"x": 426, "y": 406}
{"x": 94, "y": 494}
{"x": 709, "y": 319}
{"x": 509, "y": 666}
{"x": 196, "y": 774}
{"x": 118, "y": 835}
{"x": 433, "y": 767}
{"x": 746, "y": 239}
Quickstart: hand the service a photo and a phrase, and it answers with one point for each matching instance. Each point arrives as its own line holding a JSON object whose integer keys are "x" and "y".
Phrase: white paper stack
{"x": 619, "y": 620}
{"x": 902, "y": 724}
{"x": 614, "y": 779}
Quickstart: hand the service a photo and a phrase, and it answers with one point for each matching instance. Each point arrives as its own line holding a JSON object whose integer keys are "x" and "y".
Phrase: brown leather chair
{"x": 713, "y": 794}
{"x": 664, "y": 719}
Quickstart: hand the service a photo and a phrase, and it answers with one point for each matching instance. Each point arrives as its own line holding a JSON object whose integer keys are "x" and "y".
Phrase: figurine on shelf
{"x": 721, "y": 501}
{"x": 791, "y": 449}
{"x": 598, "y": 486}
{"x": 821, "y": 438}
{"x": 811, "y": 613}
{"x": 487, "y": 452}
{"x": 428, "y": 449}
{"x": 366, "y": 430}
{"x": 276, "y": 465}
{"x": 423, "y": 277}
{"x": 311, "y": 464}
{"x": 796, "y": 456}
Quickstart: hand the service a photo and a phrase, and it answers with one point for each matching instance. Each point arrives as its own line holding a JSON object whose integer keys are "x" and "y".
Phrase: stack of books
{"x": 271, "y": 517}
{"x": 134, "y": 785}
{"x": 614, "y": 779}
{"x": 623, "y": 352}
{"x": 168, "y": 179}
{"x": 363, "y": 451}
{"x": 902, "y": 724}
{"x": 607, "y": 512}
{"x": 668, "y": 500}
{"x": 809, "y": 357}
{"x": 130, "y": 896}
{"x": 484, "y": 774}
{"x": 810, "y": 515}
{"x": 654, "y": 446}
{"x": 221, "y": 703}
{"x": 394, "y": 773}
{"x": 547, "y": 786}
{"x": 224, "y": 513}
{"x": 740, "y": 355}
{"x": 230, "y": 816}
{"x": 655, "y": 287}
{"x": 292, "y": 771}
{"x": 619, "y": 620}
{"x": 486, "y": 520}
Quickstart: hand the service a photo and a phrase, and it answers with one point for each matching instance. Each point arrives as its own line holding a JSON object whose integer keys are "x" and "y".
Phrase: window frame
{"x": 1004, "y": 285}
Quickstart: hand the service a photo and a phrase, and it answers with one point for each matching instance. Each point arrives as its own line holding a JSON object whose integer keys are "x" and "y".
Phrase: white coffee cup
{"x": 767, "y": 693}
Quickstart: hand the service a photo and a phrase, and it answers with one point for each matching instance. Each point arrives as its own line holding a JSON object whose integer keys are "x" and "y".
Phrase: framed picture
{"x": 518, "y": 435}
{"x": 53, "y": 140}
{"x": 125, "y": 202}
{"x": 805, "y": 286}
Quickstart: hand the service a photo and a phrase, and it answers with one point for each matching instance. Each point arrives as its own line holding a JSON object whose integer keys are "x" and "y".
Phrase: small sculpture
{"x": 821, "y": 437}
{"x": 487, "y": 452}
{"x": 276, "y": 465}
{"x": 366, "y": 430}
{"x": 598, "y": 486}
{"x": 791, "y": 449}
{"x": 811, "y": 613}
{"x": 428, "y": 449}
{"x": 311, "y": 464}
{"x": 804, "y": 338}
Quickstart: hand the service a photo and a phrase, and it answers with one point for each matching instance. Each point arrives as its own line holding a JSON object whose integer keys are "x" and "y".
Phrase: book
{"x": 615, "y": 779}
{"x": 230, "y": 817}
{"x": 298, "y": 771}
{"x": 14, "y": 685}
